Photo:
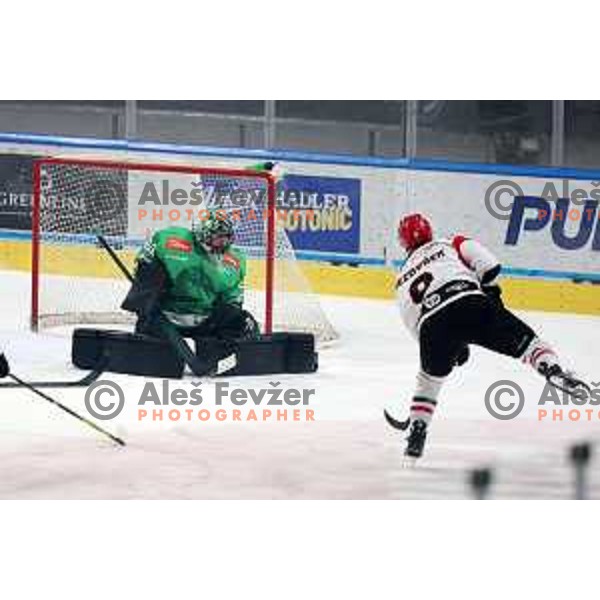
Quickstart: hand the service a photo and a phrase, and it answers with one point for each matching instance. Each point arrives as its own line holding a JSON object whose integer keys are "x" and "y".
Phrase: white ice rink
{"x": 348, "y": 452}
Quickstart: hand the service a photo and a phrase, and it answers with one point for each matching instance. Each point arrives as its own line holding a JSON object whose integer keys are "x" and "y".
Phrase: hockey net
{"x": 74, "y": 281}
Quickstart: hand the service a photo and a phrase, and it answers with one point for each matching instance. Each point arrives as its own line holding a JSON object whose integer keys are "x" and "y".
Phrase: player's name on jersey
{"x": 412, "y": 271}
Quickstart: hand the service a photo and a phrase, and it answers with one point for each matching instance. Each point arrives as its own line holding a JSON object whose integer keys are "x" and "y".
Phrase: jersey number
{"x": 418, "y": 288}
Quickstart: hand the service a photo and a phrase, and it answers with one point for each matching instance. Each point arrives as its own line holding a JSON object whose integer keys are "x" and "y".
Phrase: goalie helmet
{"x": 215, "y": 232}
{"x": 414, "y": 230}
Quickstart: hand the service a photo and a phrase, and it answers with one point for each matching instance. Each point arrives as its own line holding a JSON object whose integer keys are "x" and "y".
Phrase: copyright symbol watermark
{"x": 504, "y": 399}
{"x": 104, "y": 400}
{"x": 499, "y": 198}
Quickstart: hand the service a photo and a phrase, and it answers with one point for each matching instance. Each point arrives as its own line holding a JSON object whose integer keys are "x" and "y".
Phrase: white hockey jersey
{"x": 439, "y": 273}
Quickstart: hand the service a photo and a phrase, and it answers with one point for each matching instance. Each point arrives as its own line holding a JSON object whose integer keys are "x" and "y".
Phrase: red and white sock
{"x": 422, "y": 409}
{"x": 539, "y": 354}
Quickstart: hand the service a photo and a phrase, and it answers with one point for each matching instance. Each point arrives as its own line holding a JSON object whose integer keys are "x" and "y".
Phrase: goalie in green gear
{"x": 196, "y": 279}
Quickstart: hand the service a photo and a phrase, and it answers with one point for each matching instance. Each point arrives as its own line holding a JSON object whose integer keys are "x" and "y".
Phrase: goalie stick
{"x": 199, "y": 368}
{"x": 66, "y": 409}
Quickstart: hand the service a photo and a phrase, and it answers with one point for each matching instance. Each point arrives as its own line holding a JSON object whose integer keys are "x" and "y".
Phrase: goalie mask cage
{"x": 74, "y": 281}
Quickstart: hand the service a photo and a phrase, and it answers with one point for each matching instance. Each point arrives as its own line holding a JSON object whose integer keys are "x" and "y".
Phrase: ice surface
{"x": 348, "y": 452}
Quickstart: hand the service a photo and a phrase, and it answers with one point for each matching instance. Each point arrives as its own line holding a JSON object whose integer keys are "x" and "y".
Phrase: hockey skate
{"x": 564, "y": 380}
{"x": 415, "y": 442}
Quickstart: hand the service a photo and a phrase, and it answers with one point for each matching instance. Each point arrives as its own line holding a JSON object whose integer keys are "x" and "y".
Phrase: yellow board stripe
{"x": 364, "y": 282}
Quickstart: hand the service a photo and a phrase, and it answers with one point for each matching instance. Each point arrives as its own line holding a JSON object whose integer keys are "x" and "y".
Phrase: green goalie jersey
{"x": 197, "y": 280}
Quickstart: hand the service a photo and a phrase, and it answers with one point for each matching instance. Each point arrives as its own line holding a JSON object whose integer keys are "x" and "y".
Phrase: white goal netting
{"x": 75, "y": 281}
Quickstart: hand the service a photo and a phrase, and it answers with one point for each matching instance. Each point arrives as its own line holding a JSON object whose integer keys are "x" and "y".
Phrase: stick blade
{"x": 395, "y": 423}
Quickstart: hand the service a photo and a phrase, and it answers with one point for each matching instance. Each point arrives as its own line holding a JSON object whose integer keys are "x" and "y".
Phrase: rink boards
{"x": 550, "y": 247}
{"x": 339, "y": 280}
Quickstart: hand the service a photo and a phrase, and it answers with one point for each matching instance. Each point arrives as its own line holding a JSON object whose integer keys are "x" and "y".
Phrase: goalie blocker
{"x": 138, "y": 354}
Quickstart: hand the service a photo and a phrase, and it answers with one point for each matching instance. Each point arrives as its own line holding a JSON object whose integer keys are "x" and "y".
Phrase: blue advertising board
{"x": 323, "y": 212}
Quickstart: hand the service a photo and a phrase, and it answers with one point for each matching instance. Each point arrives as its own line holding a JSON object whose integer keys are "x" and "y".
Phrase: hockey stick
{"x": 114, "y": 256}
{"x": 198, "y": 367}
{"x": 86, "y": 380}
{"x": 83, "y": 382}
{"x": 401, "y": 425}
{"x": 68, "y": 410}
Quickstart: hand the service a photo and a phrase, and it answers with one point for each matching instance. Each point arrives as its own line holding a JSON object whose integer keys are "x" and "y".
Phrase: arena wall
{"x": 551, "y": 261}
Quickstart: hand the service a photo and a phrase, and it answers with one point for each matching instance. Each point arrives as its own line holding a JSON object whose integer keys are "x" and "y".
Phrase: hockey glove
{"x": 493, "y": 292}
{"x": 231, "y": 321}
{"x": 147, "y": 288}
{"x": 4, "y": 368}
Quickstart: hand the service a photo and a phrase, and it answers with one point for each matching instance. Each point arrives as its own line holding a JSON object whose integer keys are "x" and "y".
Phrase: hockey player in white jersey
{"x": 449, "y": 298}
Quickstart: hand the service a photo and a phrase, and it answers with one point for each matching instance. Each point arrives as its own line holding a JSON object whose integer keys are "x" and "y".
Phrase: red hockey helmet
{"x": 413, "y": 231}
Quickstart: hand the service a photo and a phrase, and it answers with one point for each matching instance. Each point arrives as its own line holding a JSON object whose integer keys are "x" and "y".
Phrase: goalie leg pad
{"x": 266, "y": 355}
{"x": 138, "y": 354}
{"x": 129, "y": 353}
